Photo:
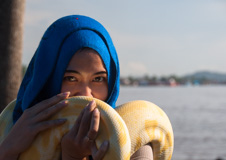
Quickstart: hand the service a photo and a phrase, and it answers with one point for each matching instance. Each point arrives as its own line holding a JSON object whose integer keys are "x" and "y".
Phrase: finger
{"x": 75, "y": 128}
{"x": 50, "y": 111}
{"x": 86, "y": 119}
{"x": 49, "y": 102}
{"x": 99, "y": 154}
{"x": 94, "y": 127}
{"x": 49, "y": 124}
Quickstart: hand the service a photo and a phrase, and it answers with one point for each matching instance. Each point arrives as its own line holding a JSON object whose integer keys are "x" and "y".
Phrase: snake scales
{"x": 127, "y": 128}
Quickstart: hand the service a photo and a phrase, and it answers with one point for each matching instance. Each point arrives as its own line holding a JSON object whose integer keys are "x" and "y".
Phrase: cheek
{"x": 105, "y": 95}
{"x": 101, "y": 92}
{"x": 65, "y": 88}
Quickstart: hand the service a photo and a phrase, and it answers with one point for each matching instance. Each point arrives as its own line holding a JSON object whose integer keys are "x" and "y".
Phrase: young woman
{"x": 76, "y": 57}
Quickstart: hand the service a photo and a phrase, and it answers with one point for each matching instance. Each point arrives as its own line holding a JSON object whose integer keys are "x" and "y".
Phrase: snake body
{"x": 127, "y": 128}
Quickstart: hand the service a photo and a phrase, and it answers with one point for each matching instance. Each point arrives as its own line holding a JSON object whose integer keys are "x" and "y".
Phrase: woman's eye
{"x": 98, "y": 79}
{"x": 70, "y": 79}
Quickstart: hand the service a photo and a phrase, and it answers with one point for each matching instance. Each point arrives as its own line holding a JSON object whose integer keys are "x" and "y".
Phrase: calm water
{"x": 197, "y": 115}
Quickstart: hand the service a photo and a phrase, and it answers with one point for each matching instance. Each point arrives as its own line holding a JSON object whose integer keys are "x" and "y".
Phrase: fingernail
{"x": 92, "y": 103}
{"x": 64, "y": 102}
{"x": 106, "y": 143}
{"x": 65, "y": 94}
{"x": 96, "y": 111}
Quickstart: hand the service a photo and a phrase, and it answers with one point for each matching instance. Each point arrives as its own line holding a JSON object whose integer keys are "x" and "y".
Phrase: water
{"x": 197, "y": 115}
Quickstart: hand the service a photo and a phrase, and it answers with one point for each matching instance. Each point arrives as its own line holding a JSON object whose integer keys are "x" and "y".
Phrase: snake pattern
{"x": 127, "y": 128}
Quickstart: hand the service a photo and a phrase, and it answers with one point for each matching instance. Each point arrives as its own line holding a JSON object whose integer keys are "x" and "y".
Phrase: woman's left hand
{"x": 79, "y": 142}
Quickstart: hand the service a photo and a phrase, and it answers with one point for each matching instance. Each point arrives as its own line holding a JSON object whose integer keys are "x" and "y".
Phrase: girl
{"x": 76, "y": 57}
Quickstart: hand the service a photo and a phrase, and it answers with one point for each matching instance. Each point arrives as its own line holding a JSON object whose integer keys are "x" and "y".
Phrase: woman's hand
{"x": 79, "y": 142}
{"x": 32, "y": 121}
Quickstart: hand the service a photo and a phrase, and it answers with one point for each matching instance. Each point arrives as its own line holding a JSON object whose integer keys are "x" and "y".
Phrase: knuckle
{"x": 96, "y": 116}
{"x": 76, "y": 142}
{"x": 69, "y": 139}
{"x": 89, "y": 109}
{"x": 93, "y": 132}
{"x": 31, "y": 130}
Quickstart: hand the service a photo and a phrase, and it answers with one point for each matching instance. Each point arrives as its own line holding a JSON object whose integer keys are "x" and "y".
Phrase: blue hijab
{"x": 60, "y": 42}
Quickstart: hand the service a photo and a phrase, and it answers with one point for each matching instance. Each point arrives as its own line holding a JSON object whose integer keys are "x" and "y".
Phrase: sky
{"x": 152, "y": 37}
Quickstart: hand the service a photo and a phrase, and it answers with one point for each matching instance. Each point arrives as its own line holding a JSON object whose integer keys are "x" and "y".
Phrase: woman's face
{"x": 86, "y": 75}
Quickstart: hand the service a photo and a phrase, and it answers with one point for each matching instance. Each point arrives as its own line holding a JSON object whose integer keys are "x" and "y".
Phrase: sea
{"x": 197, "y": 115}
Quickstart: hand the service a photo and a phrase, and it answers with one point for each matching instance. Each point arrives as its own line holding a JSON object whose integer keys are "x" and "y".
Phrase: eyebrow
{"x": 74, "y": 71}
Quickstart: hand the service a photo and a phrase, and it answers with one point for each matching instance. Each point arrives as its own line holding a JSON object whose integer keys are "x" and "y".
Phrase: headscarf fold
{"x": 59, "y": 43}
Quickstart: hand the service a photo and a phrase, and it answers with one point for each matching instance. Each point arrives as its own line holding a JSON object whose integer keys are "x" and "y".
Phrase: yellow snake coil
{"x": 128, "y": 127}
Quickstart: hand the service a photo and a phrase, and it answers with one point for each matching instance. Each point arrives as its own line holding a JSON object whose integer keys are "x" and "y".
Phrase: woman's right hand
{"x": 32, "y": 121}
{"x": 80, "y": 142}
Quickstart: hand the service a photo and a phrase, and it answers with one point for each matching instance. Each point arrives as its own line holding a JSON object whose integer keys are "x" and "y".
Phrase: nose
{"x": 84, "y": 90}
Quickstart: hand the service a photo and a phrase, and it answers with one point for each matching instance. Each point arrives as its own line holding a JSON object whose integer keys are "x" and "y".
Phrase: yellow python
{"x": 127, "y": 128}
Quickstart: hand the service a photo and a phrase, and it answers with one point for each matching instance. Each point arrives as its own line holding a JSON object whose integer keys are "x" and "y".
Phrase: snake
{"x": 127, "y": 127}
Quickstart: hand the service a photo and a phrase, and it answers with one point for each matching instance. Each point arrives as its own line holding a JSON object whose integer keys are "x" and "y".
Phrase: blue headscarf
{"x": 60, "y": 42}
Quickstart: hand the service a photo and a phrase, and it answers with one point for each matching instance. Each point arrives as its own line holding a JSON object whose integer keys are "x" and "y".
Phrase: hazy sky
{"x": 155, "y": 37}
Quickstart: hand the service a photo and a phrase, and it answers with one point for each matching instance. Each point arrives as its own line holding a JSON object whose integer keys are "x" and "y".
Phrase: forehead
{"x": 86, "y": 58}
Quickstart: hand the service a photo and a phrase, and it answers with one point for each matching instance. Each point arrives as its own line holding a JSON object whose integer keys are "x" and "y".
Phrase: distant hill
{"x": 197, "y": 78}
{"x": 207, "y": 76}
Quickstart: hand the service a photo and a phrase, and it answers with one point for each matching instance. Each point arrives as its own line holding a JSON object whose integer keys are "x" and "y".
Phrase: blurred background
{"x": 171, "y": 53}
{"x": 151, "y": 37}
